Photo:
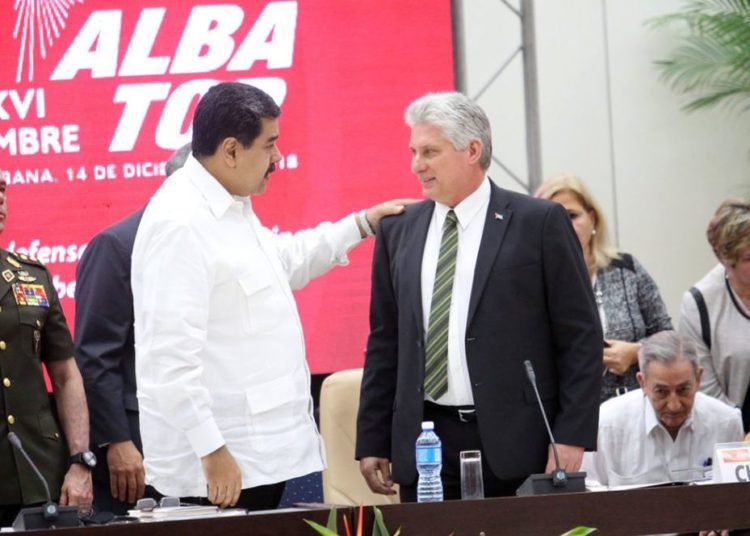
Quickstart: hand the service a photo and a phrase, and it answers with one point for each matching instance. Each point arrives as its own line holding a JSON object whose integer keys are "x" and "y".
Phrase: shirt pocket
{"x": 262, "y": 305}
{"x": 276, "y": 410}
{"x": 48, "y": 427}
{"x": 31, "y": 320}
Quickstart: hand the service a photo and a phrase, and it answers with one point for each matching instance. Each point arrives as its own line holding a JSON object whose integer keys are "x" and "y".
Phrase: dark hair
{"x": 230, "y": 109}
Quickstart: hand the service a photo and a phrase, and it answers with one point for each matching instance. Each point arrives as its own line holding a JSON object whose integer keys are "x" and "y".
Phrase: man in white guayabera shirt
{"x": 667, "y": 431}
{"x": 223, "y": 385}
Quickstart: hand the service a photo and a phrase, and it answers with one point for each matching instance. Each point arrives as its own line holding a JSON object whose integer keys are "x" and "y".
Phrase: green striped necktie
{"x": 436, "y": 349}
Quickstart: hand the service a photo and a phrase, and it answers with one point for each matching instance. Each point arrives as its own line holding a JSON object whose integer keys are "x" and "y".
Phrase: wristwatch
{"x": 85, "y": 458}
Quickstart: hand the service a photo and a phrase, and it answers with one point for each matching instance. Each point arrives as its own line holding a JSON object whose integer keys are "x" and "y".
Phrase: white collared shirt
{"x": 634, "y": 448}
{"x": 471, "y": 213}
{"x": 220, "y": 355}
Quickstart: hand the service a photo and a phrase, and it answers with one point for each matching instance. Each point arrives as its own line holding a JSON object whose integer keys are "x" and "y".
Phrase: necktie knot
{"x": 450, "y": 220}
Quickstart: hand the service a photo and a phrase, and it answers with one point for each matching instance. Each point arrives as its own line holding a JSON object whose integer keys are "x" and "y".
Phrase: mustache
{"x": 271, "y": 169}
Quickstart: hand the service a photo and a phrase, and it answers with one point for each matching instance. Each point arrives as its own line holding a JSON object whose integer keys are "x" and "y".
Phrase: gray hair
{"x": 458, "y": 117}
{"x": 667, "y": 347}
{"x": 177, "y": 160}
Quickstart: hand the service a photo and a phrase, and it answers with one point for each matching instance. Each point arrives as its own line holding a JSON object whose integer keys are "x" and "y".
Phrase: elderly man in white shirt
{"x": 223, "y": 385}
{"x": 667, "y": 431}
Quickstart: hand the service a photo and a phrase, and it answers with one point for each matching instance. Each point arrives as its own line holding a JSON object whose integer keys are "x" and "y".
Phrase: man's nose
{"x": 417, "y": 164}
{"x": 673, "y": 403}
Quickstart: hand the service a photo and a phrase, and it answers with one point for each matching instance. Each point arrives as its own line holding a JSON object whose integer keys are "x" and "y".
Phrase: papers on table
{"x": 172, "y": 513}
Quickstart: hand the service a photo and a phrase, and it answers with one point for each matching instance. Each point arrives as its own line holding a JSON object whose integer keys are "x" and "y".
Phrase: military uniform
{"x": 32, "y": 331}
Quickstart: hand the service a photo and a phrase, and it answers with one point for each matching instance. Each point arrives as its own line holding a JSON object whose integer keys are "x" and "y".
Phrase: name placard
{"x": 732, "y": 462}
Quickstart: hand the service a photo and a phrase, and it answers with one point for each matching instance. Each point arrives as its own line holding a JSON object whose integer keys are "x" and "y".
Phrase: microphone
{"x": 50, "y": 514}
{"x": 558, "y": 481}
{"x": 41, "y": 517}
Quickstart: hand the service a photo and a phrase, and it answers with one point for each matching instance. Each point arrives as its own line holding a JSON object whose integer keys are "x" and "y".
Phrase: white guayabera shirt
{"x": 220, "y": 355}
{"x": 634, "y": 448}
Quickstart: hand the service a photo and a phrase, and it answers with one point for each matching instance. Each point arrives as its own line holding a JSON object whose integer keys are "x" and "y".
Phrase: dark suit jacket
{"x": 104, "y": 339}
{"x": 531, "y": 299}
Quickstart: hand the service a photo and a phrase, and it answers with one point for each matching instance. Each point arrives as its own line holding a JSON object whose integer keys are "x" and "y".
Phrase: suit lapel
{"x": 495, "y": 225}
{"x": 414, "y": 250}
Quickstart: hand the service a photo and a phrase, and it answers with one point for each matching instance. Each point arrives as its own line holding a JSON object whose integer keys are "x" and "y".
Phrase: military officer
{"x": 33, "y": 332}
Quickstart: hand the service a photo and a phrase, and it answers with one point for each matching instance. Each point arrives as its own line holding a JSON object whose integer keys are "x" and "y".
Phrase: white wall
{"x": 658, "y": 172}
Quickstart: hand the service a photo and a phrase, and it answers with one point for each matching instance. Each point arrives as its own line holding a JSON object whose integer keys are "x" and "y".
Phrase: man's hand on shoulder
{"x": 571, "y": 458}
{"x": 126, "y": 473}
{"x": 389, "y": 208}
{"x": 76, "y": 488}
{"x": 377, "y": 473}
{"x": 223, "y": 476}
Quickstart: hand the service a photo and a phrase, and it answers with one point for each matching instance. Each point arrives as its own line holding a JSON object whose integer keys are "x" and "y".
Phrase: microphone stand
{"x": 48, "y": 516}
{"x": 558, "y": 481}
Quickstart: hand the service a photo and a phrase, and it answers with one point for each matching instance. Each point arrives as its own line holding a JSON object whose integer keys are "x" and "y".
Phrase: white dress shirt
{"x": 634, "y": 448}
{"x": 220, "y": 355}
{"x": 471, "y": 214}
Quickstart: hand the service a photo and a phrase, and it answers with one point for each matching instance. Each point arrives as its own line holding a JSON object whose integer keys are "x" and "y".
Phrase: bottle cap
{"x": 428, "y": 425}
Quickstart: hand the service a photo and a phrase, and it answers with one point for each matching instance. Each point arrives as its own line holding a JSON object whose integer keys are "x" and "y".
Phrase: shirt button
{"x": 6, "y": 382}
{"x": 11, "y": 419}
{"x": 38, "y": 324}
{"x": 3, "y": 346}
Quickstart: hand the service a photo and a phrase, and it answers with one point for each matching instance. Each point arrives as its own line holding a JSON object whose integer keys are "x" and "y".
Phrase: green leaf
{"x": 320, "y": 529}
{"x": 580, "y": 531}
{"x": 378, "y": 526}
{"x": 711, "y": 64}
{"x": 332, "y": 524}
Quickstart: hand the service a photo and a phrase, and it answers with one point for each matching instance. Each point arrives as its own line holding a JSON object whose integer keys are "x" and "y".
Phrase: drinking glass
{"x": 472, "y": 485}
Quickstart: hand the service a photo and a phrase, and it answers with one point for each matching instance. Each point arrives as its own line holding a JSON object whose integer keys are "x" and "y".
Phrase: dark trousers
{"x": 103, "y": 500}
{"x": 265, "y": 497}
{"x": 456, "y": 434}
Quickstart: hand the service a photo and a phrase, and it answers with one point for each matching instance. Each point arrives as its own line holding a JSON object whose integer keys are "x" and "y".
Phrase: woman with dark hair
{"x": 630, "y": 306}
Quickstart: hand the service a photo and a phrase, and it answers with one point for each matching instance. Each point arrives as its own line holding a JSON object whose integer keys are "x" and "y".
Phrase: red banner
{"x": 96, "y": 95}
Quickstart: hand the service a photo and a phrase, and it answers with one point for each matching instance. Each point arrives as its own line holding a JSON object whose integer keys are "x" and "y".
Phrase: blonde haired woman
{"x": 630, "y": 306}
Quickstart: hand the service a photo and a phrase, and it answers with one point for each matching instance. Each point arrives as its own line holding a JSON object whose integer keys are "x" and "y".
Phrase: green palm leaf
{"x": 712, "y": 64}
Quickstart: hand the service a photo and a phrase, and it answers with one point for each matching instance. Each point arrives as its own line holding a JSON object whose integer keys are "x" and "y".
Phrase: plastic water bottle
{"x": 429, "y": 464}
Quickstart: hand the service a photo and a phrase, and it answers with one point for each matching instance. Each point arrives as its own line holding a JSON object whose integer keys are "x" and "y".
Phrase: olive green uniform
{"x": 32, "y": 331}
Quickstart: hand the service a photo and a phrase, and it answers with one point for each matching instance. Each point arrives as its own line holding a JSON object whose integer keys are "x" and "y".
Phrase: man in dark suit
{"x": 106, "y": 356}
{"x": 466, "y": 286}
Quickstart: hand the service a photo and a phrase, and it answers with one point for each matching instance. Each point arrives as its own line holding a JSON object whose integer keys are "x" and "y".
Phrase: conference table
{"x": 671, "y": 509}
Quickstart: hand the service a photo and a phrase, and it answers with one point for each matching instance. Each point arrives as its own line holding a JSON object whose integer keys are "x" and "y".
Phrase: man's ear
{"x": 698, "y": 376}
{"x": 228, "y": 151}
{"x": 641, "y": 380}
{"x": 475, "y": 150}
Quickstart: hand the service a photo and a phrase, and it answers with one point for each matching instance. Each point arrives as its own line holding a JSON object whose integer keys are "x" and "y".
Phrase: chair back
{"x": 342, "y": 481}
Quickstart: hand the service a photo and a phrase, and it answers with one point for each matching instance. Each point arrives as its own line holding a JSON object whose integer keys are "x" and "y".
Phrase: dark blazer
{"x": 104, "y": 340}
{"x": 531, "y": 299}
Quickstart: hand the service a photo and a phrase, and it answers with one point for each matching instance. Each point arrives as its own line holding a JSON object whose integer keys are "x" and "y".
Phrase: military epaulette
{"x": 13, "y": 258}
